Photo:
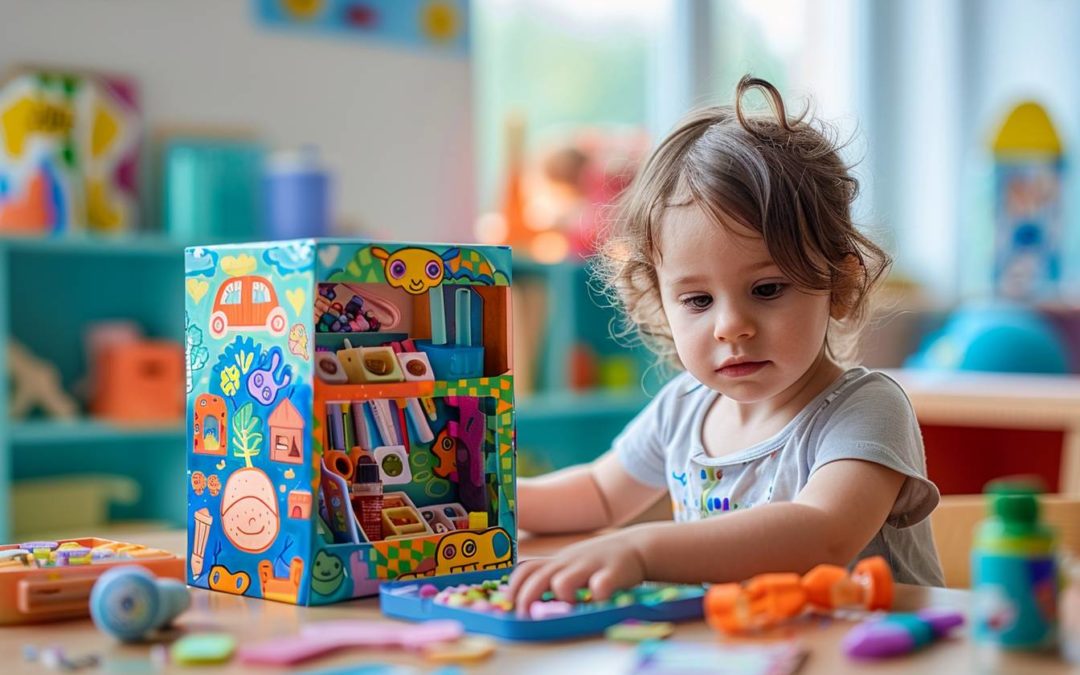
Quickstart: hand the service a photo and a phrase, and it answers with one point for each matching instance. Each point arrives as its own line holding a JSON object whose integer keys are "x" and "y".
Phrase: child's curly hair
{"x": 780, "y": 177}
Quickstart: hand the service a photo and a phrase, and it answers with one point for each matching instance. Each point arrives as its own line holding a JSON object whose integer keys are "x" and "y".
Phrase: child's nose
{"x": 733, "y": 325}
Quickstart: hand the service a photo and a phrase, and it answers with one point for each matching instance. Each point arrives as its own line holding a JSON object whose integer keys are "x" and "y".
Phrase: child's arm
{"x": 839, "y": 511}
{"x": 582, "y": 498}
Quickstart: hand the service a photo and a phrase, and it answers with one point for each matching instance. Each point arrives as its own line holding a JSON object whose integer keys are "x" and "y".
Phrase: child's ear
{"x": 848, "y": 281}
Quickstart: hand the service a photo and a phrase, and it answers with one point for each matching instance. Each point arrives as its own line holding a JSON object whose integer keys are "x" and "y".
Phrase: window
{"x": 260, "y": 293}
{"x": 562, "y": 65}
{"x": 232, "y": 295}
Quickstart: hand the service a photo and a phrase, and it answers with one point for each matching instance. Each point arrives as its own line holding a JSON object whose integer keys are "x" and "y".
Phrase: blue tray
{"x": 401, "y": 600}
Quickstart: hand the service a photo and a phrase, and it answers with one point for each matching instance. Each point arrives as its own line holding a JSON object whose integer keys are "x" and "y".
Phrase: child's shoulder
{"x": 874, "y": 390}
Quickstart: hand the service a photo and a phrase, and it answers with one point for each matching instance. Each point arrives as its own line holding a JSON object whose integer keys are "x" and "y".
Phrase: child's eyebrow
{"x": 761, "y": 264}
{"x": 696, "y": 278}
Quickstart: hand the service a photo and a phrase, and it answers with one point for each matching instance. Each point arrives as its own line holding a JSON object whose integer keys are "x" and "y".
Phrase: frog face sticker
{"x": 249, "y": 511}
{"x": 413, "y": 269}
{"x": 327, "y": 573}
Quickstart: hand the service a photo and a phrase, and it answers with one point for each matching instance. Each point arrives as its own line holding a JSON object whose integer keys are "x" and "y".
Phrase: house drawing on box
{"x": 286, "y": 430}
{"x": 209, "y": 426}
{"x": 300, "y": 504}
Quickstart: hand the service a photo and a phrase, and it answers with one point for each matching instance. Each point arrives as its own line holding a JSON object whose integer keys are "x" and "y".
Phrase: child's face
{"x": 740, "y": 326}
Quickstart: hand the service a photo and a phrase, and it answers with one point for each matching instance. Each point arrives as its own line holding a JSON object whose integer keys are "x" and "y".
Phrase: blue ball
{"x": 996, "y": 338}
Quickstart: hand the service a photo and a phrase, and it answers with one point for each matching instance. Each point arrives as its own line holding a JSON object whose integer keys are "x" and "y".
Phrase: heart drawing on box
{"x": 197, "y": 289}
{"x": 296, "y": 297}
{"x": 328, "y": 254}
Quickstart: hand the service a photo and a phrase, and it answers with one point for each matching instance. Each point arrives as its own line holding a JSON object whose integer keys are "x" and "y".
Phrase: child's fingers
{"x": 522, "y": 572}
{"x": 605, "y": 582}
{"x": 534, "y": 586}
{"x": 566, "y": 582}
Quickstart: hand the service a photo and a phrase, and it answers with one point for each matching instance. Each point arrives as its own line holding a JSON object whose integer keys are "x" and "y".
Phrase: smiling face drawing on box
{"x": 249, "y": 511}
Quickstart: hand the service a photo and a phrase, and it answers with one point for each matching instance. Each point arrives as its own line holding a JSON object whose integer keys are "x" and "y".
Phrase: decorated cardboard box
{"x": 350, "y": 416}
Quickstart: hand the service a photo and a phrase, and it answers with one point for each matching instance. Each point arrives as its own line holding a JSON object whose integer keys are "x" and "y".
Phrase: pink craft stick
{"x": 325, "y": 637}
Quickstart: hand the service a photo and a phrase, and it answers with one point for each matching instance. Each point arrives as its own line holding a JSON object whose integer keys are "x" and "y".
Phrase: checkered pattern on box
{"x": 401, "y": 556}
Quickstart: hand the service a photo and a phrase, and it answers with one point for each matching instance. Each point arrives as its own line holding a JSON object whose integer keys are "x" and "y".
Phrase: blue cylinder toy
{"x": 1014, "y": 573}
{"x": 129, "y": 602}
{"x": 297, "y": 196}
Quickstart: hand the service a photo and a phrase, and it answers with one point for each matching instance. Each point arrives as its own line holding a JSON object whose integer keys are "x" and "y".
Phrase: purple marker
{"x": 896, "y": 634}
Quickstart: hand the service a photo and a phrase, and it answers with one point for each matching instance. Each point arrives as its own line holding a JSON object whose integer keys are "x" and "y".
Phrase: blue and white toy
{"x": 129, "y": 602}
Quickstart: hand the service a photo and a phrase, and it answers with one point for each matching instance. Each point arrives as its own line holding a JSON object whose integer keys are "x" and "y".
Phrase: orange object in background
{"x": 29, "y": 212}
{"x": 139, "y": 382}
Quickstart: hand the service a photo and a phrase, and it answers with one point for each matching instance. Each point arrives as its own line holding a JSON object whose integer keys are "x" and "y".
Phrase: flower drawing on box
{"x": 246, "y": 437}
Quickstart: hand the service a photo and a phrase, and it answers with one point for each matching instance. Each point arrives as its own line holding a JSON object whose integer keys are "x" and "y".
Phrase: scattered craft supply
{"x": 322, "y": 638}
{"x": 203, "y": 648}
{"x": 54, "y": 657}
{"x": 469, "y": 649}
{"x": 639, "y": 631}
{"x": 689, "y": 658}
{"x": 896, "y": 634}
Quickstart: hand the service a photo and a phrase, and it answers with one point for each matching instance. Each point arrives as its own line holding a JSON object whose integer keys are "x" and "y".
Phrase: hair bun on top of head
{"x": 762, "y": 128}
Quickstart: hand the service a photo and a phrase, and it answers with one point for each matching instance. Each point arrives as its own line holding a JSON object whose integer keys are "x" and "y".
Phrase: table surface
{"x": 251, "y": 620}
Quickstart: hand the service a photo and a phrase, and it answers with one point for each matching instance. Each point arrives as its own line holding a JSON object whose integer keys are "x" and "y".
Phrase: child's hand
{"x": 603, "y": 565}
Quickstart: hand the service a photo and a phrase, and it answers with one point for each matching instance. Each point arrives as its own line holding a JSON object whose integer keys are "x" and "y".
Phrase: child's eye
{"x": 696, "y": 302}
{"x": 769, "y": 291}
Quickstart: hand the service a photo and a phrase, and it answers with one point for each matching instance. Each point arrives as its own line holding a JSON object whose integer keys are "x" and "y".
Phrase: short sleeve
{"x": 642, "y": 445}
{"x": 876, "y": 423}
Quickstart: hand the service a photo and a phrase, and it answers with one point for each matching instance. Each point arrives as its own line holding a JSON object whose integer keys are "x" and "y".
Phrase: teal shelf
{"x": 130, "y": 245}
{"x": 85, "y": 431}
{"x": 577, "y": 405}
{"x": 52, "y": 289}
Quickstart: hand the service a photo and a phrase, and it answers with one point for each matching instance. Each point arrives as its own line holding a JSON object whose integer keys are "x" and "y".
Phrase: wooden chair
{"x": 957, "y": 516}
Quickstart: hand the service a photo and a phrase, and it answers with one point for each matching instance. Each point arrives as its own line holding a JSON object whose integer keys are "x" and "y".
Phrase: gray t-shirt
{"x": 863, "y": 415}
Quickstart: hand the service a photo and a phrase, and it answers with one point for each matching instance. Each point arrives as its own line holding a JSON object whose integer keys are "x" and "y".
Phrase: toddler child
{"x": 735, "y": 258}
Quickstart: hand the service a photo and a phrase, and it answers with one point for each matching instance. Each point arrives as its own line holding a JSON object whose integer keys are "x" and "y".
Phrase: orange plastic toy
{"x": 769, "y": 599}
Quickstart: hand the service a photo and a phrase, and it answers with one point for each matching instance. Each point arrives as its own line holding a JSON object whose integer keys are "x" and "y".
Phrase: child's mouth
{"x": 742, "y": 369}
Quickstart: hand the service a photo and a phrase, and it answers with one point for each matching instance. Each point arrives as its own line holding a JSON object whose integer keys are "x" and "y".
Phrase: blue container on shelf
{"x": 453, "y": 362}
{"x": 297, "y": 190}
{"x": 462, "y": 358}
{"x": 211, "y": 189}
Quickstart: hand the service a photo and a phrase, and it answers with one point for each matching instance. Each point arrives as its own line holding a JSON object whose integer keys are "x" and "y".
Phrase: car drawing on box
{"x": 247, "y": 302}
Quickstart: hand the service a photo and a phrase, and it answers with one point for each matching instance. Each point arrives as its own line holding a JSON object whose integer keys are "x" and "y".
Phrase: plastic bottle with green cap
{"x": 1014, "y": 571}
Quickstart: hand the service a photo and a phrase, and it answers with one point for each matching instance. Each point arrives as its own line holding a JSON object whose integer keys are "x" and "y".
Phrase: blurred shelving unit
{"x": 51, "y": 290}
{"x": 576, "y": 386}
